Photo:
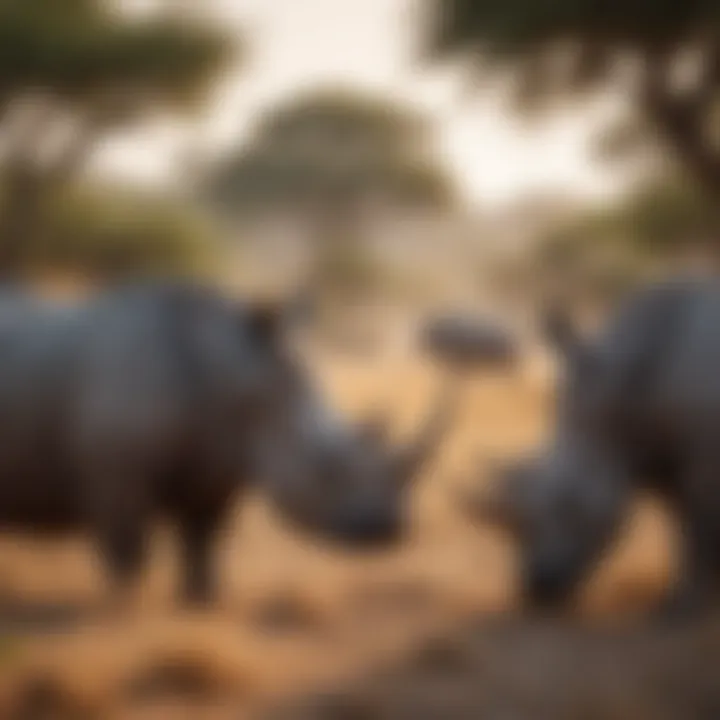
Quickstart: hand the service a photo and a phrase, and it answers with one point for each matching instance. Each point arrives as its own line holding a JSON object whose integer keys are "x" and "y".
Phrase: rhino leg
{"x": 694, "y": 590}
{"x": 199, "y": 523}
{"x": 122, "y": 536}
{"x": 116, "y": 492}
{"x": 197, "y": 544}
{"x": 697, "y": 589}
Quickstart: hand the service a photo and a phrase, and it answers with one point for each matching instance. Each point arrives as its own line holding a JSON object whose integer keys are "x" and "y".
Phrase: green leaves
{"x": 561, "y": 46}
{"x": 70, "y": 72}
{"x": 648, "y": 228}
{"x": 664, "y": 54}
{"x": 332, "y": 147}
{"x": 512, "y": 27}
{"x": 119, "y": 231}
{"x": 78, "y": 49}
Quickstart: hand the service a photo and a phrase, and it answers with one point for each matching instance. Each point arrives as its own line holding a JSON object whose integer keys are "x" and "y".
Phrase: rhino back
{"x": 658, "y": 374}
{"x": 122, "y": 381}
{"x": 690, "y": 379}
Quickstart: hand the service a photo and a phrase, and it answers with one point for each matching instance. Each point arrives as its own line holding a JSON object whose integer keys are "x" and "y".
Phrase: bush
{"x": 117, "y": 232}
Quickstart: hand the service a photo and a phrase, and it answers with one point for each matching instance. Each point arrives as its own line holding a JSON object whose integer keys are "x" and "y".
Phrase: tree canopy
{"x": 332, "y": 149}
{"x": 334, "y": 160}
{"x": 112, "y": 231}
{"x": 604, "y": 250}
{"x": 84, "y": 51}
{"x": 70, "y": 72}
{"x": 655, "y": 220}
{"x": 663, "y": 54}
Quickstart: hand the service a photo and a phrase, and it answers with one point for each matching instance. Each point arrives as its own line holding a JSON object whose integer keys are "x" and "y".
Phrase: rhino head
{"x": 563, "y": 504}
{"x": 346, "y": 481}
{"x": 335, "y": 478}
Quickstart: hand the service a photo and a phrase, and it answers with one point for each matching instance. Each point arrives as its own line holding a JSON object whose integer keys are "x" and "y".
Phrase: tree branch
{"x": 70, "y": 160}
{"x": 681, "y": 117}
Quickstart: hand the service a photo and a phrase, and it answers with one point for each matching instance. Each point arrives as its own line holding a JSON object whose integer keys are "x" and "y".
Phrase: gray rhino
{"x": 166, "y": 399}
{"x": 469, "y": 342}
{"x": 638, "y": 408}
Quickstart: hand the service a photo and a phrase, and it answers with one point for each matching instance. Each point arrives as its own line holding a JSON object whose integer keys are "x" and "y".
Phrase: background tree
{"x": 663, "y": 54}
{"x": 72, "y": 71}
{"x": 334, "y": 159}
{"x": 110, "y": 232}
{"x": 601, "y": 252}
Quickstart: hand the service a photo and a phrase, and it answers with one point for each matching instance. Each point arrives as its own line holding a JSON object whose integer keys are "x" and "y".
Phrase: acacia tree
{"x": 664, "y": 54}
{"x": 332, "y": 158}
{"x": 72, "y": 71}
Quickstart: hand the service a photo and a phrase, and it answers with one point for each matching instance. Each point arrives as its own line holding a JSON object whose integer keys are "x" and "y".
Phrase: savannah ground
{"x": 304, "y": 631}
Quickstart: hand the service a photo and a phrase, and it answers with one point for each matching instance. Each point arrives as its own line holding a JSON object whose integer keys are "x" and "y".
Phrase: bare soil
{"x": 303, "y": 631}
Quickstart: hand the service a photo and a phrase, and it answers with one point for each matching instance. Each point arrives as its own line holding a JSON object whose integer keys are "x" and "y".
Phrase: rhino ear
{"x": 269, "y": 321}
{"x": 562, "y": 335}
{"x": 265, "y": 321}
{"x": 558, "y": 329}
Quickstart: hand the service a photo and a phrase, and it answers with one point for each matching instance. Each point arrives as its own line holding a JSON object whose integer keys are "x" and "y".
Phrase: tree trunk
{"x": 337, "y": 280}
{"x": 682, "y": 119}
{"x": 21, "y": 222}
{"x": 337, "y": 236}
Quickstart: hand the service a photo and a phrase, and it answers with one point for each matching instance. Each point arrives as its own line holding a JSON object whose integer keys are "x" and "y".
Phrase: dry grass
{"x": 294, "y": 616}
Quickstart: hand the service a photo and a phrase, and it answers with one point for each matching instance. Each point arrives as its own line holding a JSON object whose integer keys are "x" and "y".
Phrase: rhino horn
{"x": 480, "y": 506}
{"x": 411, "y": 457}
{"x": 481, "y": 501}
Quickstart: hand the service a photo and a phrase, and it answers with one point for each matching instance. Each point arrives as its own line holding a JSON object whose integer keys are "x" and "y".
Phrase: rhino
{"x": 637, "y": 409}
{"x": 168, "y": 400}
{"x": 469, "y": 342}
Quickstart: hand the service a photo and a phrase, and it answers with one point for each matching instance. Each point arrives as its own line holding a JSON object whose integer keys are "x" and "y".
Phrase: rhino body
{"x": 638, "y": 408}
{"x": 166, "y": 400}
{"x": 469, "y": 342}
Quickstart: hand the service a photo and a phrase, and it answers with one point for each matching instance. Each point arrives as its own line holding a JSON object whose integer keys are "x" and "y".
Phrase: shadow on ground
{"x": 18, "y": 618}
{"x": 508, "y": 669}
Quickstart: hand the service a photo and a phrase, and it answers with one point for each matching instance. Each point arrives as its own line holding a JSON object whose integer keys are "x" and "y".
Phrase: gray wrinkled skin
{"x": 343, "y": 479}
{"x": 469, "y": 342}
{"x": 638, "y": 408}
{"x": 162, "y": 399}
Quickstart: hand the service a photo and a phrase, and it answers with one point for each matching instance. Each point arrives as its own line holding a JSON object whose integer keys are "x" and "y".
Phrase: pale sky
{"x": 300, "y": 44}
